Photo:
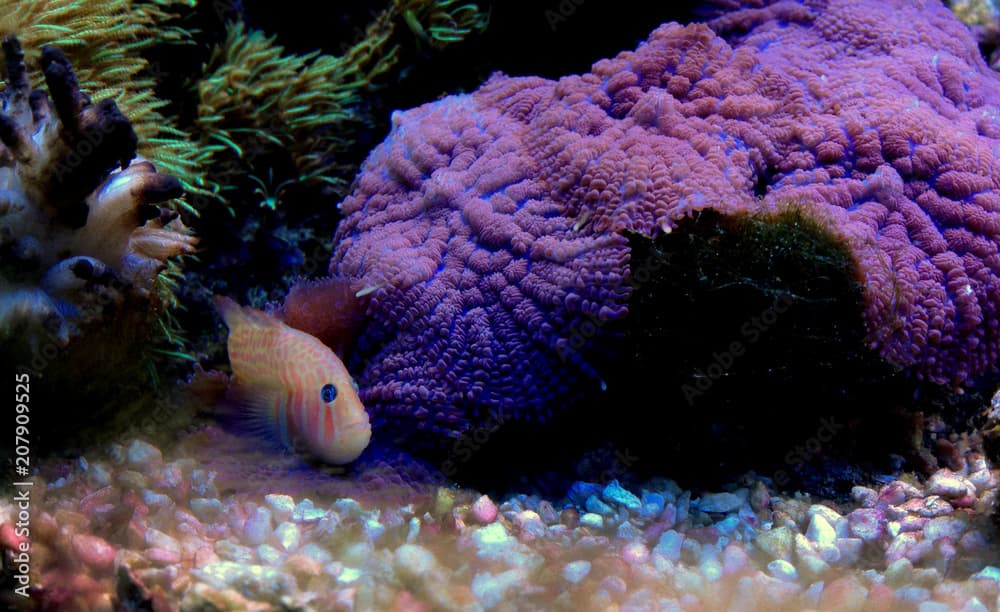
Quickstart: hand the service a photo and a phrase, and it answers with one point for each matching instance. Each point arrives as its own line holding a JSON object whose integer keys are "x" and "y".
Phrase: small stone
{"x": 711, "y": 569}
{"x": 820, "y": 530}
{"x": 413, "y": 530}
{"x": 287, "y": 535}
{"x": 669, "y": 545}
{"x": 845, "y": 593}
{"x": 783, "y": 570}
{"x": 933, "y": 606}
{"x": 989, "y": 572}
{"x": 580, "y": 491}
{"x": 596, "y": 506}
{"x": 778, "y": 543}
{"x": 253, "y": 581}
{"x": 866, "y": 524}
{"x": 719, "y": 502}
{"x": 616, "y": 494}
{"x": 94, "y": 552}
{"x": 949, "y": 485}
{"x": 156, "y": 500}
{"x": 760, "y": 499}
{"x": 373, "y": 528}
{"x": 157, "y": 539}
{"x": 652, "y": 505}
{"x": 864, "y": 496}
{"x": 628, "y": 532}
{"x": 576, "y": 571}
{"x": 530, "y": 525}
{"x": 944, "y": 527}
{"x": 913, "y": 595}
{"x": 98, "y": 474}
{"x": 281, "y": 506}
{"x": 734, "y": 559}
{"x": 974, "y": 605}
{"x": 132, "y": 480}
{"x": 258, "y": 527}
{"x": 269, "y": 555}
{"x": 850, "y": 550}
{"x": 161, "y": 556}
{"x": 208, "y": 510}
{"x": 484, "y": 511}
{"x": 899, "y": 572}
{"x": 414, "y": 562}
{"x": 230, "y": 550}
{"x": 348, "y": 508}
{"x": 983, "y": 480}
{"x": 143, "y": 456}
{"x": 590, "y": 519}
{"x": 349, "y": 575}
{"x": 635, "y": 552}
{"x": 491, "y": 589}
{"x": 303, "y": 566}
{"x": 444, "y": 501}
{"x": 305, "y": 512}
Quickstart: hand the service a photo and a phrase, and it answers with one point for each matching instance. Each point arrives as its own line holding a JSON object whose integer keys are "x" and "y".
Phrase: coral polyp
{"x": 79, "y": 212}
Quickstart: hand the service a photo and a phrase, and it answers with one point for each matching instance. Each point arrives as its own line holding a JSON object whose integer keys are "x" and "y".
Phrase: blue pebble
{"x": 596, "y": 506}
{"x": 616, "y": 494}
{"x": 669, "y": 545}
{"x": 728, "y": 524}
{"x": 652, "y": 505}
{"x": 579, "y": 492}
{"x": 990, "y": 572}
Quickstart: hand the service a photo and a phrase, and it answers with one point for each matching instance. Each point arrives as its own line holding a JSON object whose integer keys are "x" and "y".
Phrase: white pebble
{"x": 590, "y": 519}
{"x": 576, "y": 571}
{"x": 413, "y": 562}
{"x": 820, "y": 531}
{"x": 158, "y": 539}
{"x": 281, "y": 506}
{"x": 349, "y": 575}
{"x": 305, "y": 512}
{"x": 258, "y": 526}
{"x": 635, "y": 552}
{"x": 287, "y": 535}
{"x": 783, "y": 570}
{"x": 143, "y": 456}
{"x": 491, "y": 589}
{"x": 269, "y": 555}
{"x": 208, "y": 510}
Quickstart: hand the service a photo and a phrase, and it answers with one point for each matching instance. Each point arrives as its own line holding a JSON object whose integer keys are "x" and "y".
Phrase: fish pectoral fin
{"x": 254, "y": 406}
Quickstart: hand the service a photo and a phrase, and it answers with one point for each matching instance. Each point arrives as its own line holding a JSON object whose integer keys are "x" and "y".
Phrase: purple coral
{"x": 491, "y": 225}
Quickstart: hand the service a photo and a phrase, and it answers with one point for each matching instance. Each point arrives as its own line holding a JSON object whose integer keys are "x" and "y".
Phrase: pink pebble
{"x": 162, "y": 556}
{"x": 94, "y": 552}
{"x": 635, "y": 552}
{"x": 484, "y": 510}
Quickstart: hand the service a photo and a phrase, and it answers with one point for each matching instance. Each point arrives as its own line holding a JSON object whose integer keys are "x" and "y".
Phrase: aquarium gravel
{"x": 139, "y": 526}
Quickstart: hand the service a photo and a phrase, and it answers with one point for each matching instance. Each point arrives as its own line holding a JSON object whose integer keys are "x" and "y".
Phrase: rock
{"x": 349, "y": 508}
{"x": 777, "y": 543}
{"x": 866, "y": 524}
{"x": 576, "y": 571}
{"x": 579, "y": 492}
{"x": 530, "y": 525}
{"x": 783, "y": 570}
{"x": 945, "y": 527}
{"x": 843, "y": 594}
{"x": 592, "y": 520}
{"x": 719, "y": 502}
{"x": 231, "y": 551}
{"x": 850, "y": 551}
{"x": 595, "y": 506}
{"x": 949, "y": 485}
{"x": 989, "y": 572}
{"x": 983, "y": 480}
{"x": 161, "y": 556}
{"x": 912, "y": 595}
{"x": 143, "y": 456}
{"x": 94, "y": 552}
{"x": 491, "y": 589}
{"x": 760, "y": 499}
{"x": 252, "y": 581}
{"x": 820, "y": 530}
{"x": 413, "y": 563}
{"x": 899, "y": 572}
{"x": 635, "y": 552}
{"x": 864, "y": 496}
{"x": 287, "y": 535}
{"x": 281, "y": 506}
{"x": 652, "y": 505}
{"x": 711, "y": 569}
{"x": 257, "y": 528}
{"x": 484, "y": 511}
{"x": 208, "y": 510}
{"x": 305, "y": 512}
{"x": 616, "y": 494}
{"x": 157, "y": 539}
{"x": 669, "y": 545}
{"x": 269, "y": 555}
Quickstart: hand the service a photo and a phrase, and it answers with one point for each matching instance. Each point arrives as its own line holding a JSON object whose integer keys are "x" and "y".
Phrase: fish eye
{"x": 354, "y": 385}
{"x": 329, "y": 393}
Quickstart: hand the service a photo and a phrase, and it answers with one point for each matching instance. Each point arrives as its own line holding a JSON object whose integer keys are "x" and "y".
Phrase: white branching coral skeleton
{"x": 80, "y": 225}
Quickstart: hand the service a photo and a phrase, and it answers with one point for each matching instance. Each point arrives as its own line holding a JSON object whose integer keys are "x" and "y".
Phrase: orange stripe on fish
{"x": 294, "y": 384}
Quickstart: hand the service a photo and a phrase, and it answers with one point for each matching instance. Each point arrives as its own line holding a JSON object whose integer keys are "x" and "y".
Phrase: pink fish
{"x": 294, "y": 384}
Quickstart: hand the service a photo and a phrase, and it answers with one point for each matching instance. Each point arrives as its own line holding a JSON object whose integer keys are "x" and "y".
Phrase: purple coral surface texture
{"x": 491, "y": 225}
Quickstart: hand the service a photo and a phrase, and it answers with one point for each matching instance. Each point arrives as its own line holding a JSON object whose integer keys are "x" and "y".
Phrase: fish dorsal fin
{"x": 234, "y": 314}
